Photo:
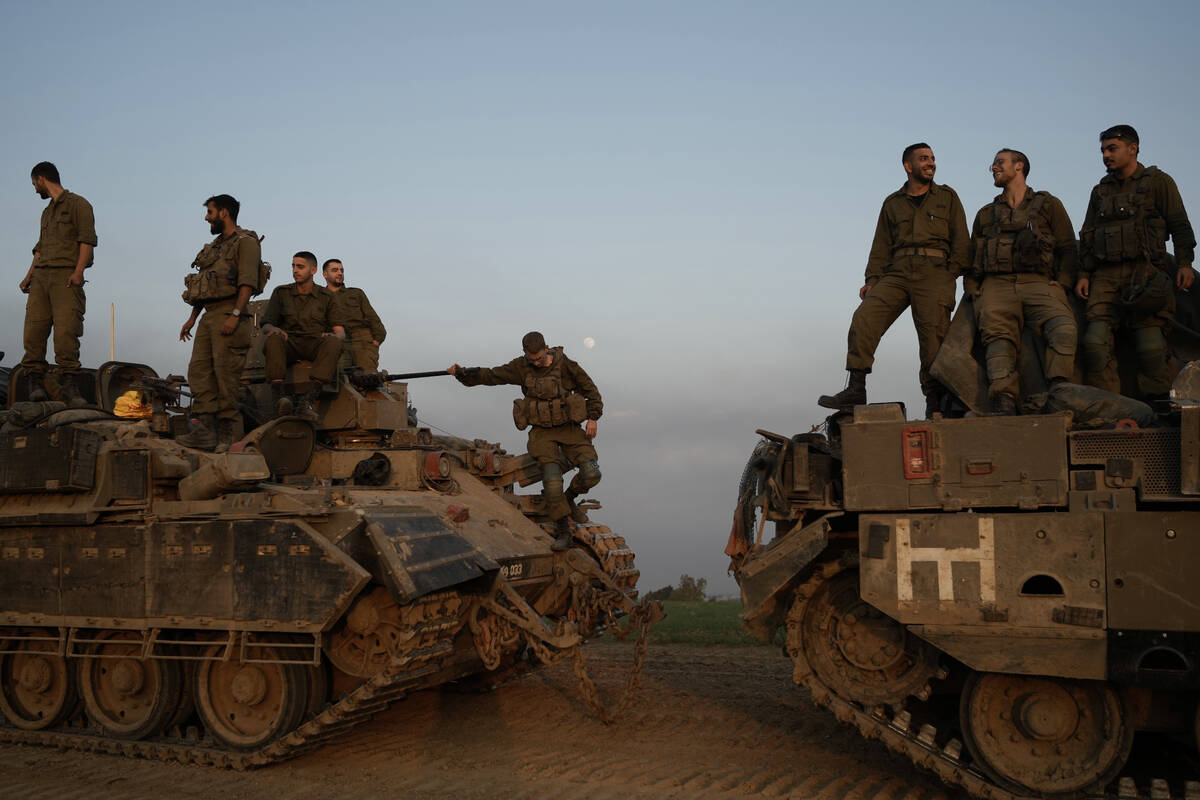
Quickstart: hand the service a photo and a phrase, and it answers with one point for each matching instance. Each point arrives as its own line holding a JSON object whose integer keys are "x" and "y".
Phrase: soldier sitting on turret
{"x": 557, "y": 396}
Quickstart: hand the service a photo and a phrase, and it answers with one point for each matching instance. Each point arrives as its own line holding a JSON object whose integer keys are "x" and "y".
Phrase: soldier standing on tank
{"x": 557, "y": 396}
{"x": 1023, "y": 254}
{"x": 228, "y": 275}
{"x": 54, "y": 283}
{"x": 302, "y": 321}
{"x": 1123, "y": 271}
{"x": 919, "y": 250}
{"x": 364, "y": 329}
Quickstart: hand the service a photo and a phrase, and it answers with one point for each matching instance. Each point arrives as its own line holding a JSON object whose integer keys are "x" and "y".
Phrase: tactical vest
{"x": 1128, "y": 227}
{"x": 216, "y": 278}
{"x": 547, "y": 403}
{"x": 1015, "y": 239}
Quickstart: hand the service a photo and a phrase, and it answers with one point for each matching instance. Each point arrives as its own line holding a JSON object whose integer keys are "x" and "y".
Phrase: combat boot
{"x": 281, "y": 403}
{"x": 37, "y": 388}
{"x": 224, "y": 435}
{"x": 69, "y": 394}
{"x": 578, "y": 515}
{"x": 855, "y": 393}
{"x": 1004, "y": 405}
{"x": 562, "y": 535}
{"x": 307, "y": 407}
{"x": 202, "y": 435}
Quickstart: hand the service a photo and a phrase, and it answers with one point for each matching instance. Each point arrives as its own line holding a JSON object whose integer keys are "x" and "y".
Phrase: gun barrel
{"x": 404, "y": 376}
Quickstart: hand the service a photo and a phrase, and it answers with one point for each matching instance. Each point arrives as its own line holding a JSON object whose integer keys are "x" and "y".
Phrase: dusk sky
{"x": 693, "y": 185}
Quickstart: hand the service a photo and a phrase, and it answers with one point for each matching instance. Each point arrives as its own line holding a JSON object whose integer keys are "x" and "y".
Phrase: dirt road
{"x": 710, "y": 722}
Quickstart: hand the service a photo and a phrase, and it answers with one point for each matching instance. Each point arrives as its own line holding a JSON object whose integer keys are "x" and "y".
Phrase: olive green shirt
{"x": 358, "y": 314}
{"x": 1053, "y": 219}
{"x": 937, "y": 223}
{"x": 1164, "y": 201}
{"x": 573, "y": 377}
{"x": 66, "y": 223}
{"x": 299, "y": 314}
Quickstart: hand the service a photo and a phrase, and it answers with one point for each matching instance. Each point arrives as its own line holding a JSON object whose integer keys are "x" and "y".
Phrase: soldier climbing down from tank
{"x": 919, "y": 250}
{"x": 364, "y": 329}
{"x": 302, "y": 321}
{"x": 228, "y": 273}
{"x": 1124, "y": 271}
{"x": 557, "y": 396}
{"x": 1022, "y": 256}
{"x": 54, "y": 283}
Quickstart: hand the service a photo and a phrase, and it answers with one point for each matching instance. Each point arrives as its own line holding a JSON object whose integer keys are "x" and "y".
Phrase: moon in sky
{"x": 589, "y": 343}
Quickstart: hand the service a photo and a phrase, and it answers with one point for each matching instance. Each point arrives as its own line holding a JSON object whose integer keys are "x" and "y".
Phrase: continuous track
{"x": 933, "y": 741}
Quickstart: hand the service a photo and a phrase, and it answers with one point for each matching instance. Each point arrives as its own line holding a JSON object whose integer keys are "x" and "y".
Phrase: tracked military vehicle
{"x": 240, "y": 608}
{"x": 1008, "y": 601}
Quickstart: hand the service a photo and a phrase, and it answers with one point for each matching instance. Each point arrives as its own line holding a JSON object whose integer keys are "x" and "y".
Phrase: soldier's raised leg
{"x": 875, "y": 314}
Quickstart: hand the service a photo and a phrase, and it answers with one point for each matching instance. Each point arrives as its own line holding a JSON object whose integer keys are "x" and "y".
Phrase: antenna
{"x": 112, "y": 331}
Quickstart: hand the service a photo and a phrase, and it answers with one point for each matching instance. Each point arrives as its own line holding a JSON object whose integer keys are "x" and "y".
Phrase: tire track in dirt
{"x": 708, "y": 723}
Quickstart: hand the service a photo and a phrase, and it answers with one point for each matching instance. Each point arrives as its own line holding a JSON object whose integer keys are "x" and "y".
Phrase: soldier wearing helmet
{"x": 1124, "y": 271}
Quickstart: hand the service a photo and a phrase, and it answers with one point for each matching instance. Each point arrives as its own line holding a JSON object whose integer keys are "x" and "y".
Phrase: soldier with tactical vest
{"x": 557, "y": 395}
{"x": 1023, "y": 254}
{"x": 54, "y": 283}
{"x": 920, "y": 249}
{"x": 302, "y": 321}
{"x": 364, "y": 329}
{"x": 1124, "y": 273}
{"x": 229, "y": 270}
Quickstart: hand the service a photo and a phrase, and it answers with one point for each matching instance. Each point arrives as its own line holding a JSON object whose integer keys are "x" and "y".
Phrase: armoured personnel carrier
{"x": 241, "y": 608}
{"x": 1008, "y": 601}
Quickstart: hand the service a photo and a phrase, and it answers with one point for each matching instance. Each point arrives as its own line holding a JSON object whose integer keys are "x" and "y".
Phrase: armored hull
{"x": 243, "y": 607}
{"x": 1008, "y": 601}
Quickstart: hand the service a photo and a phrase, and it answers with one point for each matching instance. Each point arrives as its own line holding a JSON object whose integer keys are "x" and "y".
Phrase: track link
{"x": 436, "y": 618}
{"x": 935, "y": 748}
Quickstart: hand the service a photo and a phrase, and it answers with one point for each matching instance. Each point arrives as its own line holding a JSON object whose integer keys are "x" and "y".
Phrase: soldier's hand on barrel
{"x": 229, "y": 325}
{"x": 589, "y": 430}
{"x": 1082, "y": 288}
{"x": 452, "y": 369}
{"x": 864, "y": 291}
{"x": 1184, "y": 278}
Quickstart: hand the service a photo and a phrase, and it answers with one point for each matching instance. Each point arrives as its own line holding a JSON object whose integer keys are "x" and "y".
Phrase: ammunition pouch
{"x": 205, "y": 286}
{"x": 1014, "y": 239}
{"x": 571, "y": 409}
{"x": 1123, "y": 231}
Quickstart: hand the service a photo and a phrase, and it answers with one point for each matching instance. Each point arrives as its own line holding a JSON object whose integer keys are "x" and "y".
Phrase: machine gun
{"x": 374, "y": 380}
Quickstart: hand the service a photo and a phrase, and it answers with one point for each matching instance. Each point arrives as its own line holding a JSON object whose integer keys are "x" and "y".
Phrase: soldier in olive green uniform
{"x": 54, "y": 283}
{"x": 302, "y": 321}
{"x": 364, "y": 329}
{"x": 557, "y": 395}
{"x": 1023, "y": 254}
{"x": 228, "y": 273}
{"x": 920, "y": 249}
{"x": 1124, "y": 271}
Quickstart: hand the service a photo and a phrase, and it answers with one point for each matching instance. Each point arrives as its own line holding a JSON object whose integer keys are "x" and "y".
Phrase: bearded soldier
{"x": 1124, "y": 272}
{"x": 228, "y": 274}
{"x": 1022, "y": 256}
{"x": 557, "y": 396}
{"x": 920, "y": 249}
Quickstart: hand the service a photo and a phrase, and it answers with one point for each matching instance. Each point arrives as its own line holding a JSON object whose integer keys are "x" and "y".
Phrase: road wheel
{"x": 126, "y": 696}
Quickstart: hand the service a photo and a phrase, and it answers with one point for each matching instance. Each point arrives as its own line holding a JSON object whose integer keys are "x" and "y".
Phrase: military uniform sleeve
{"x": 378, "y": 332}
{"x": 1179, "y": 228}
{"x": 1066, "y": 249}
{"x": 249, "y": 254}
{"x": 85, "y": 221}
{"x": 881, "y": 247}
{"x": 1087, "y": 235}
{"x": 960, "y": 238}
{"x": 587, "y": 387}
{"x": 274, "y": 312}
{"x": 974, "y": 274}
{"x": 513, "y": 372}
